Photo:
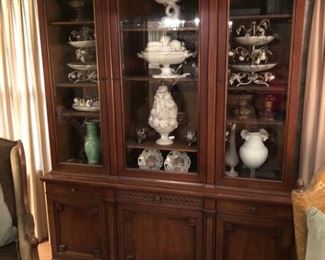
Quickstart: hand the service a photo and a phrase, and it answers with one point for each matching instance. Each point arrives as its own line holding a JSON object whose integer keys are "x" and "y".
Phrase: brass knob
{"x": 254, "y": 209}
{"x": 62, "y": 248}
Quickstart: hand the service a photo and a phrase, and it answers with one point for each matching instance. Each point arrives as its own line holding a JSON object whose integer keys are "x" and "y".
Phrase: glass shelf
{"x": 71, "y": 23}
{"x": 261, "y": 17}
{"x": 152, "y": 145}
{"x": 74, "y": 113}
{"x": 151, "y": 79}
{"x": 75, "y": 85}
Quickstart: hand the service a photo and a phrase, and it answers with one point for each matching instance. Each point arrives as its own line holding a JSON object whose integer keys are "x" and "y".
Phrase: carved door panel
{"x": 160, "y": 234}
{"x": 78, "y": 228}
{"x": 251, "y": 238}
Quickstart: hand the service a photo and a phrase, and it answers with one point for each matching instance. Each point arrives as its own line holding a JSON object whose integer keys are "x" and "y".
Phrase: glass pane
{"x": 160, "y": 84}
{"x": 259, "y": 52}
{"x": 74, "y": 78}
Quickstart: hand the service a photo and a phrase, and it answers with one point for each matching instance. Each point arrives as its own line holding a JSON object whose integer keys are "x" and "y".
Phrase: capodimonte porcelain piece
{"x": 231, "y": 153}
{"x": 166, "y": 52}
{"x": 253, "y": 152}
{"x": 163, "y": 115}
{"x": 177, "y": 161}
{"x": 252, "y": 62}
{"x": 141, "y": 133}
{"x": 172, "y": 9}
{"x": 86, "y": 104}
{"x": 190, "y": 136}
{"x": 150, "y": 159}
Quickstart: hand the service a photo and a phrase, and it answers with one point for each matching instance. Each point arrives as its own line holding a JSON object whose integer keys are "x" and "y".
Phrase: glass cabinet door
{"x": 259, "y": 47}
{"x": 74, "y": 71}
{"x": 160, "y": 85}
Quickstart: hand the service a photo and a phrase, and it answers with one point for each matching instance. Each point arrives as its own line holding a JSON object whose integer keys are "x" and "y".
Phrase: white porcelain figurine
{"x": 231, "y": 153}
{"x": 253, "y": 152}
{"x": 163, "y": 115}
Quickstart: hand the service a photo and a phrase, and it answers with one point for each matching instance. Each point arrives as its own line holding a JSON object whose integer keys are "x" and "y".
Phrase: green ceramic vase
{"x": 92, "y": 143}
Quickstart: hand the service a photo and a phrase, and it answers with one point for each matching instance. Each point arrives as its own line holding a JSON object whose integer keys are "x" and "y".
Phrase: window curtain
{"x": 312, "y": 155}
{"x": 22, "y": 97}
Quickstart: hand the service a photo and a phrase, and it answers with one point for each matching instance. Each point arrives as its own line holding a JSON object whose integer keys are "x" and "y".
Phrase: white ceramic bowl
{"x": 165, "y": 57}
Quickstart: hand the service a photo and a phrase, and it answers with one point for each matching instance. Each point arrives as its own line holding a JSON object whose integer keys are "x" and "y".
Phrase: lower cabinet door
{"x": 155, "y": 233}
{"x": 253, "y": 238}
{"x": 77, "y": 227}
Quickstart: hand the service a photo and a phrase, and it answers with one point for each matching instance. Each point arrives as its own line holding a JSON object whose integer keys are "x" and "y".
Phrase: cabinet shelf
{"x": 261, "y": 17}
{"x": 152, "y": 145}
{"x": 263, "y": 89}
{"x": 151, "y": 79}
{"x": 74, "y": 113}
{"x": 177, "y": 29}
{"x": 253, "y": 121}
{"x": 75, "y": 85}
{"x": 71, "y": 23}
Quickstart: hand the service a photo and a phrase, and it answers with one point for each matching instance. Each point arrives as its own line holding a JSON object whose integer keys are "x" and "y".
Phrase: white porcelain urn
{"x": 163, "y": 115}
{"x": 253, "y": 152}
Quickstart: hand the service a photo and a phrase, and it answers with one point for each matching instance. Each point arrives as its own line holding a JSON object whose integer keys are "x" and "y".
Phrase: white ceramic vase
{"x": 231, "y": 153}
{"x": 253, "y": 152}
{"x": 163, "y": 115}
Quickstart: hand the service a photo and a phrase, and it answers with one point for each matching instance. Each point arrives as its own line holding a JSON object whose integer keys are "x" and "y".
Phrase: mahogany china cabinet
{"x": 173, "y": 127}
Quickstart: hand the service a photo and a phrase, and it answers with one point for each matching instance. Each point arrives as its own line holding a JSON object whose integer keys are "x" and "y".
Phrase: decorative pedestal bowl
{"x": 166, "y": 59}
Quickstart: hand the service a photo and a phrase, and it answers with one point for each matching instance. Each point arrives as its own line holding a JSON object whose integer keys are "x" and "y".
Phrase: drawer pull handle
{"x": 62, "y": 248}
{"x": 73, "y": 190}
{"x": 254, "y": 209}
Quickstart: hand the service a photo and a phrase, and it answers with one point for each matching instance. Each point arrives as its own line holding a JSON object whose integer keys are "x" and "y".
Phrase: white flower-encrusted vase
{"x": 163, "y": 115}
{"x": 253, "y": 152}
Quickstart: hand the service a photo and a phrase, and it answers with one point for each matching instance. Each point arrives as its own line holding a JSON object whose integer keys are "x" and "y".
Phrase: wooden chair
{"x": 13, "y": 178}
{"x": 303, "y": 198}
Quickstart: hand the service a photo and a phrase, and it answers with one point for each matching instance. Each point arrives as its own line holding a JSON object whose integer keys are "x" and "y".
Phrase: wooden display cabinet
{"x": 231, "y": 68}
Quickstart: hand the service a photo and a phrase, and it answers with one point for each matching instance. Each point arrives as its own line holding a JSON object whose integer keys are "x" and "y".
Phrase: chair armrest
{"x": 29, "y": 230}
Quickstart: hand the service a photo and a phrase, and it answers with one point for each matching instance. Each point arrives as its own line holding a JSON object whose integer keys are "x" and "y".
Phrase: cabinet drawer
{"x": 160, "y": 198}
{"x": 74, "y": 190}
{"x": 251, "y": 208}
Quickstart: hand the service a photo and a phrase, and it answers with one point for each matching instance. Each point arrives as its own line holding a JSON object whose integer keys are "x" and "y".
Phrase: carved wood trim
{"x": 159, "y": 198}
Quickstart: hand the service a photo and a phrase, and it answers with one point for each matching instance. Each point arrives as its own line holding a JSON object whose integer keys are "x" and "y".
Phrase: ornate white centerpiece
{"x": 163, "y": 115}
{"x": 89, "y": 104}
{"x": 252, "y": 63}
{"x": 253, "y": 152}
{"x": 166, "y": 52}
{"x": 85, "y": 69}
{"x": 172, "y": 12}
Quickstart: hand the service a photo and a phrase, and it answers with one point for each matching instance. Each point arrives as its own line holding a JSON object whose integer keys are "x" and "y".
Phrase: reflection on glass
{"x": 72, "y": 45}
{"x": 259, "y": 44}
{"x": 160, "y": 77}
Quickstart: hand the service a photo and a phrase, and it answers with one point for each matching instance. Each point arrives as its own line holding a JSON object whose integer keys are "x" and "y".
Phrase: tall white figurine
{"x": 172, "y": 9}
{"x": 231, "y": 153}
{"x": 253, "y": 152}
{"x": 163, "y": 115}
